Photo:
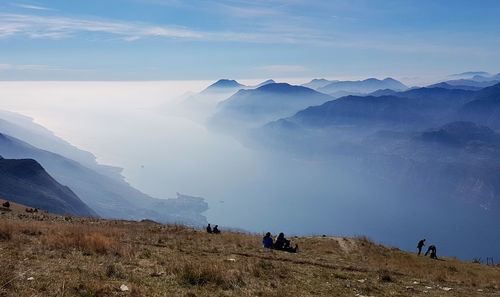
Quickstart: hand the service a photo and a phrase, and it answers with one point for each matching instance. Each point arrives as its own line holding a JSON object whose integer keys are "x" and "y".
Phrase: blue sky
{"x": 183, "y": 39}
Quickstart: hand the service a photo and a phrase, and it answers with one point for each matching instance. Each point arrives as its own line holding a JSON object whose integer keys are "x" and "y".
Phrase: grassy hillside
{"x": 46, "y": 255}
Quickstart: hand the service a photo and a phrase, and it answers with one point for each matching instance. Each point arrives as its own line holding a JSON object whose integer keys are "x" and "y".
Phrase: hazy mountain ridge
{"x": 476, "y": 76}
{"x": 251, "y": 108}
{"x": 363, "y": 86}
{"x": 201, "y": 105}
{"x": 318, "y": 83}
{"x": 24, "y": 128}
{"x": 25, "y": 181}
{"x": 445, "y": 85}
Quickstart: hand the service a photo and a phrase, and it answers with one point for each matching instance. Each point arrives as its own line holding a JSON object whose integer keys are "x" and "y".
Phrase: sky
{"x": 246, "y": 39}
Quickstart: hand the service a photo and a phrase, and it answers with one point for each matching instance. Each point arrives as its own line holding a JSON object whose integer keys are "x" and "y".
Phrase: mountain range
{"x": 444, "y": 131}
{"x": 254, "y": 107}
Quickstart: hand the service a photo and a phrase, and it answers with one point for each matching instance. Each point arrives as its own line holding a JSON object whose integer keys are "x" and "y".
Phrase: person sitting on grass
{"x": 267, "y": 241}
{"x": 209, "y": 229}
{"x": 216, "y": 229}
{"x": 283, "y": 244}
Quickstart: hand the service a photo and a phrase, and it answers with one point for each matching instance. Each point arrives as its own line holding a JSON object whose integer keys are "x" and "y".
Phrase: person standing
{"x": 420, "y": 245}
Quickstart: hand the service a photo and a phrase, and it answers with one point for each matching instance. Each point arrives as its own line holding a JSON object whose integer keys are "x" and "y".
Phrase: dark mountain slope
{"x": 359, "y": 111}
{"x": 485, "y": 109}
{"x": 109, "y": 197}
{"x": 25, "y": 181}
{"x": 462, "y": 134}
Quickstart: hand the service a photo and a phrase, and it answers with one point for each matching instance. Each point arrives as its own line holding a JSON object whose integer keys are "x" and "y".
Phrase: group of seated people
{"x": 280, "y": 244}
{"x": 214, "y": 230}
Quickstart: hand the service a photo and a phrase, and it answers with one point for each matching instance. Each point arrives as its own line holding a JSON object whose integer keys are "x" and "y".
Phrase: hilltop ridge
{"x": 72, "y": 256}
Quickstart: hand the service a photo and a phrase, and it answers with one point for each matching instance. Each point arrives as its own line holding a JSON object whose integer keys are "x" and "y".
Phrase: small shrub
{"x": 31, "y": 231}
{"x": 7, "y": 274}
{"x": 201, "y": 275}
{"x": 385, "y": 276}
{"x": 365, "y": 240}
{"x": 93, "y": 290}
{"x": 340, "y": 276}
{"x": 261, "y": 268}
{"x": 452, "y": 269}
{"x": 114, "y": 271}
{"x": 6, "y": 231}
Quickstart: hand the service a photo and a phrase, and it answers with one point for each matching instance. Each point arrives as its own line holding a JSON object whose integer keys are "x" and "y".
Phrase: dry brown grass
{"x": 88, "y": 239}
{"x": 87, "y": 257}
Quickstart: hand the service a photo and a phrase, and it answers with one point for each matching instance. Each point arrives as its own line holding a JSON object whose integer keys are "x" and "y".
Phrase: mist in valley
{"x": 165, "y": 148}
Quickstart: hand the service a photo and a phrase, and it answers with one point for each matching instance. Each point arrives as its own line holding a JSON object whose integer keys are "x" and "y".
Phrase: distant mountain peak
{"x": 226, "y": 83}
{"x": 283, "y": 88}
{"x": 267, "y": 82}
{"x": 317, "y": 83}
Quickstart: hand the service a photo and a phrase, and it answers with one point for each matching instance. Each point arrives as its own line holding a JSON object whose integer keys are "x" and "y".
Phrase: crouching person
{"x": 283, "y": 244}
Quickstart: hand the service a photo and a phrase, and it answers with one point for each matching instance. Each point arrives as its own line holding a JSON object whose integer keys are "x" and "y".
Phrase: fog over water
{"x": 137, "y": 126}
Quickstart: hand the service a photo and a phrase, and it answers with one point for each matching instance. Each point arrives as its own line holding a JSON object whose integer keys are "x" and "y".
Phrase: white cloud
{"x": 54, "y": 27}
{"x": 27, "y": 67}
{"x": 277, "y": 31}
{"x": 30, "y": 6}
